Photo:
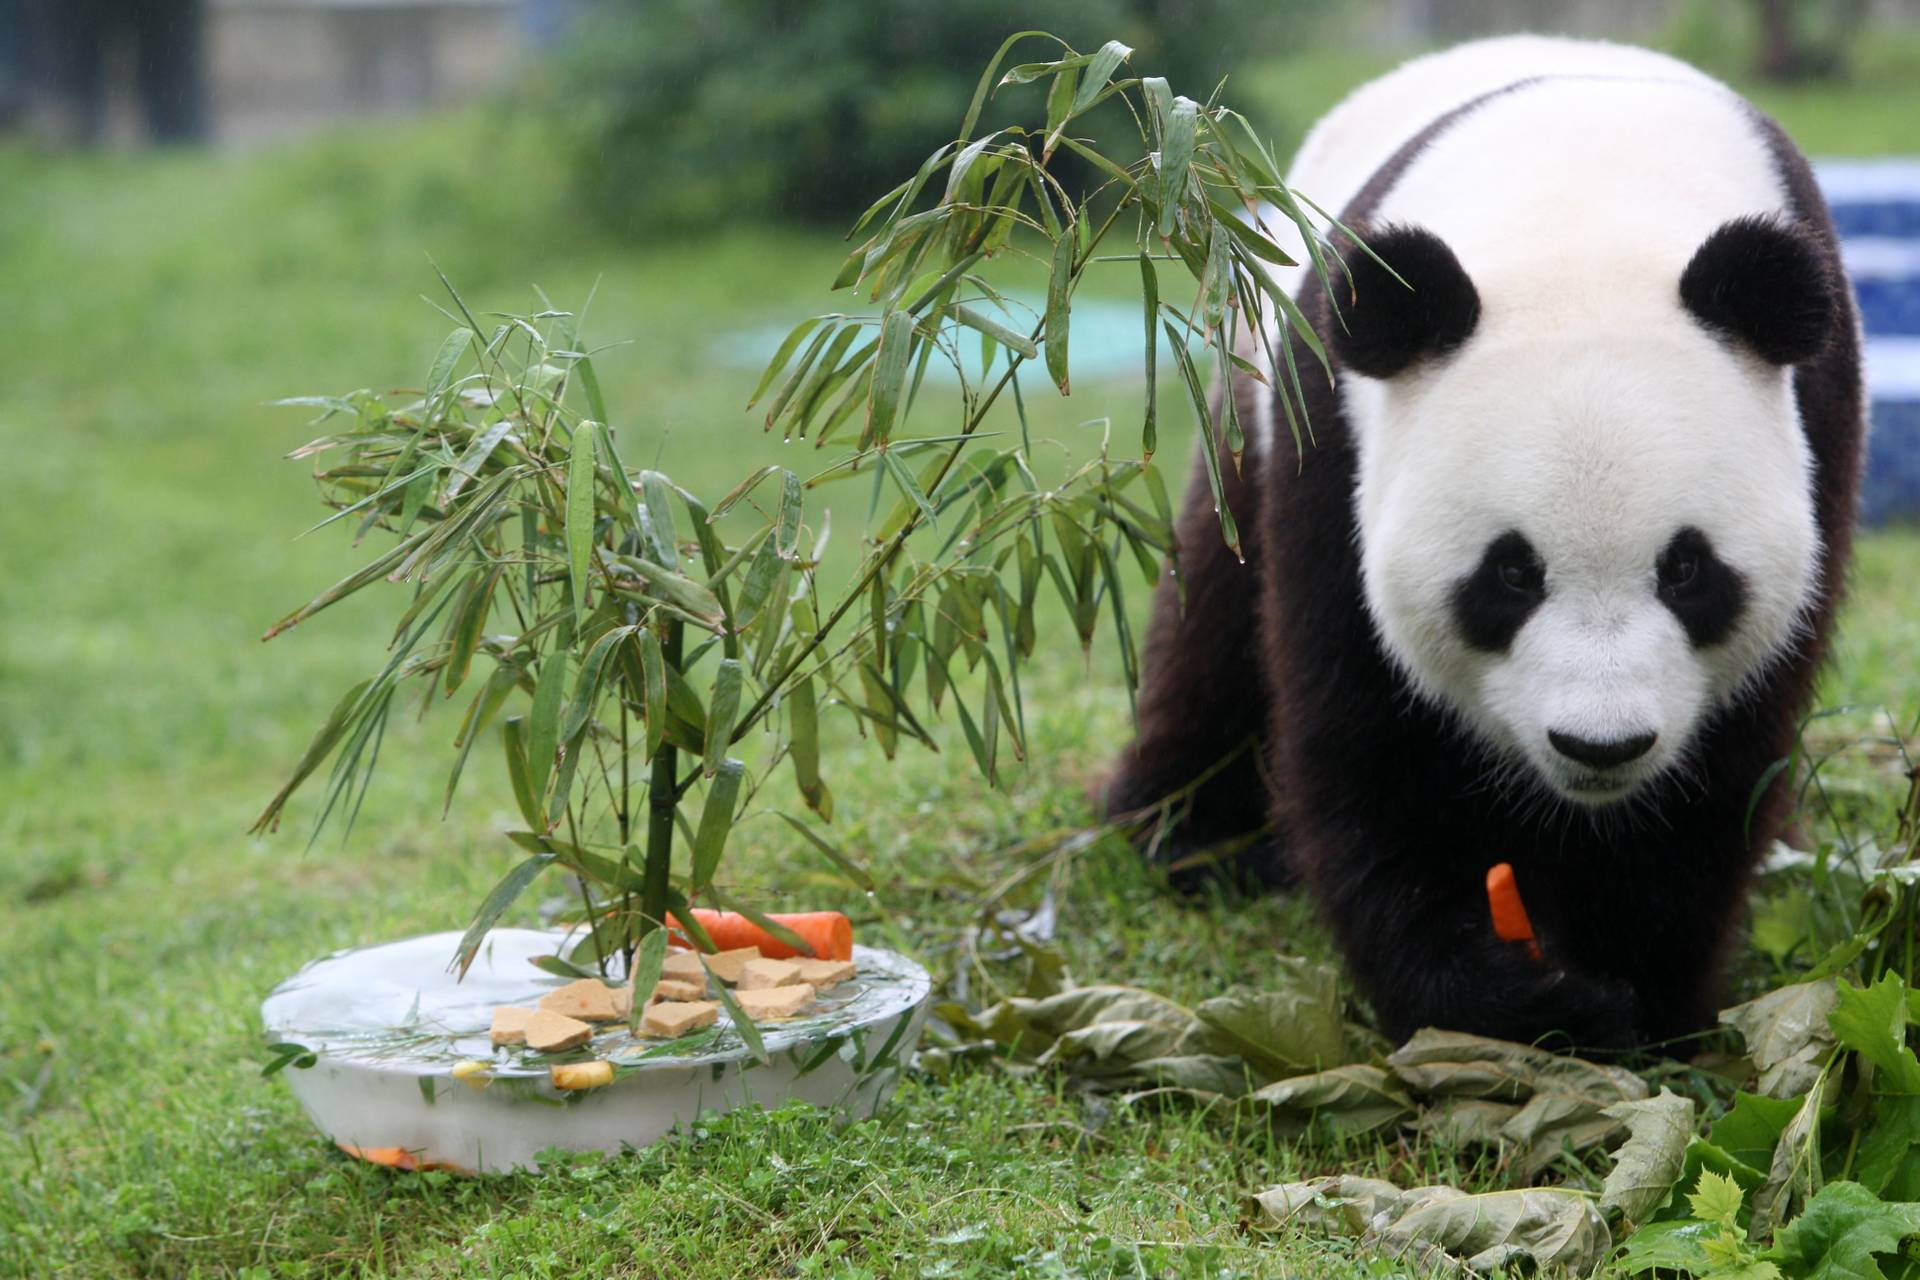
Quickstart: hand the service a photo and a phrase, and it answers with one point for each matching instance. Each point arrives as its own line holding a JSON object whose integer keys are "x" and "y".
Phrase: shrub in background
{"x": 689, "y": 112}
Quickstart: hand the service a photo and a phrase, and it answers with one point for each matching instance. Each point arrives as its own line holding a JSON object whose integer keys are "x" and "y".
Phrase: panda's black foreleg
{"x": 1425, "y": 955}
{"x": 1197, "y": 759}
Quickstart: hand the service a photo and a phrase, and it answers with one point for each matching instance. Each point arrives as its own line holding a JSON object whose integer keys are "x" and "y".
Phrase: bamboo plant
{"x": 645, "y": 678}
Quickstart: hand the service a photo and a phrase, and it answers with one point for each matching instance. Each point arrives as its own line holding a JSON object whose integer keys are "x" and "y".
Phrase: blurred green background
{"x": 194, "y": 224}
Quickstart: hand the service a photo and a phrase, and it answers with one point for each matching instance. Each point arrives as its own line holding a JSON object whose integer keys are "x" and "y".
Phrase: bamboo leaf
{"x": 493, "y": 905}
{"x": 803, "y": 727}
{"x": 716, "y": 820}
{"x": 853, "y": 870}
{"x": 441, "y": 372}
{"x": 993, "y": 329}
{"x": 1150, "y": 289}
{"x": 1176, "y": 153}
{"x": 580, "y": 476}
{"x": 648, "y": 958}
{"x": 1059, "y": 295}
{"x": 723, "y": 705}
{"x": 543, "y": 724}
{"x": 1106, "y": 60}
{"x": 513, "y": 735}
{"x": 889, "y": 376}
{"x": 742, "y": 1024}
{"x": 317, "y": 751}
{"x": 469, "y": 622}
{"x": 586, "y": 689}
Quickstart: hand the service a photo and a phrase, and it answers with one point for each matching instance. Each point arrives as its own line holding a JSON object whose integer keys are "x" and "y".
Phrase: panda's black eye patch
{"x": 1492, "y": 603}
{"x": 1703, "y": 591}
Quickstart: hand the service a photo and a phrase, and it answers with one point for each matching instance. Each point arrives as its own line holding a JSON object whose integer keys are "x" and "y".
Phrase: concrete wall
{"x": 277, "y": 67}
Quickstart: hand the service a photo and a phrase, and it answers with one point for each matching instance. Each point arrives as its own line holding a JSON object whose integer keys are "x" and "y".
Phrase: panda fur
{"x": 1551, "y": 581}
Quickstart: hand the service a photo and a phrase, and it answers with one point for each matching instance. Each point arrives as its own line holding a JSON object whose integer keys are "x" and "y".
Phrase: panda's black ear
{"x": 1388, "y": 325}
{"x": 1764, "y": 284}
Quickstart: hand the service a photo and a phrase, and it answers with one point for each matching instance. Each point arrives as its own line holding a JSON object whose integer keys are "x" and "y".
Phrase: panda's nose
{"x": 1600, "y": 755}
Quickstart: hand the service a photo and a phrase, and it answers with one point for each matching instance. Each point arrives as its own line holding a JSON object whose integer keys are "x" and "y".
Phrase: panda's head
{"x": 1585, "y": 513}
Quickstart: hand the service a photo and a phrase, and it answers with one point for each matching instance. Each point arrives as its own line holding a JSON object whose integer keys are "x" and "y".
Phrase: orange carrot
{"x": 1510, "y": 923}
{"x": 829, "y": 933}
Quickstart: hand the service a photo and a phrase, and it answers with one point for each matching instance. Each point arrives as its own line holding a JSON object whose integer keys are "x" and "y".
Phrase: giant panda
{"x": 1550, "y": 577}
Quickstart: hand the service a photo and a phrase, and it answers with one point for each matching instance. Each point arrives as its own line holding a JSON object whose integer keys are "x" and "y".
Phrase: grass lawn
{"x": 153, "y": 304}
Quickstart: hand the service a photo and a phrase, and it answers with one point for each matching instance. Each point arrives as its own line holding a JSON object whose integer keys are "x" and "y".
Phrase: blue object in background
{"x": 1876, "y": 207}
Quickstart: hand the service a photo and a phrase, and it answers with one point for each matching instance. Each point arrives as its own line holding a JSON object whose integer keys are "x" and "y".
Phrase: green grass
{"x": 153, "y": 304}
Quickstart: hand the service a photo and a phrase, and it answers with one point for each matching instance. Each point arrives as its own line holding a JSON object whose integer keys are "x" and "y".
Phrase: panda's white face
{"x": 1583, "y": 545}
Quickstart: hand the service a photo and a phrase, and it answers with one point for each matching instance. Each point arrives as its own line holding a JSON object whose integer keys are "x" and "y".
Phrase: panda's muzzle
{"x": 1601, "y": 755}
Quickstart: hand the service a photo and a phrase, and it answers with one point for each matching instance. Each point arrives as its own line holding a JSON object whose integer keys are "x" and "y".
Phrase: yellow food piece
{"x": 822, "y": 974}
{"x": 774, "y": 1002}
{"x": 509, "y": 1025}
{"x": 473, "y": 1073}
{"x": 550, "y": 1032}
{"x": 581, "y": 1075}
{"x": 588, "y": 999}
{"x": 674, "y": 1018}
{"x": 757, "y": 975}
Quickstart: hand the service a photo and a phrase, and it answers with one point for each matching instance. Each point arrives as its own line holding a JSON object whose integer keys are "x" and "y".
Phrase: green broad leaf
{"x": 1839, "y": 1233}
{"x": 1887, "y": 1162}
{"x": 648, "y": 958}
{"x": 1060, "y": 96}
{"x": 1672, "y": 1246}
{"x": 1150, "y": 291}
{"x": 758, "y": 585}
{"x": 1354, "y": 1099}
{"x": 1872, "y": 1021}
{"x": 653, "y": 667}
{"x": 543, "y": 722}
{"x": 854, "y": 872}
{"x": 493, "y": 905}
{"x": 1059, "y": 302}
{"x": 519, "y": 772}
{"x": 1295, "y": 1029}
{"x": 657, "y": 530}
{"x": 889, "y": 377}
{"x": 580, "y": 481}
{"x": 590, "y": 383}
{"x": 723, "y": 707}
{"x": 803, "y": 728}
{"x": 716, "y": 820}
{"x": 1750, "y": 1130}
{"x": 742, "y": 1024}
{"x": 1650, "y": 1161}
{"x": 987, "y": 325}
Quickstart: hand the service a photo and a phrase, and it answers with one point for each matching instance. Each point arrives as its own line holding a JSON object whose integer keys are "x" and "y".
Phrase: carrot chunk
{"x": 1510, "y": 923}
{"x": 829, "y": 933}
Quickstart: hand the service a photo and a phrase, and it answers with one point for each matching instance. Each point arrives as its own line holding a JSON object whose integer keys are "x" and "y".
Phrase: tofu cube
{"x": 674, "y": 1018}
{"x": 683, "y": 966}
{"x": 726, "y": 965}
{"x": 824, "y": 974}
{"x": 509, "y": 1025}
{"x": 764, "y": 1004}
{"x": 758, "y": 975}
{"x": 550, "y": 1032}
{"x": 679, "y": 990}
{"x": 589, "y": 1000}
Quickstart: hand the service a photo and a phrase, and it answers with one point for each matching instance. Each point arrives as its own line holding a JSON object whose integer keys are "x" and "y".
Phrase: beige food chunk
{"x": 757, "y": 975}
{"x": 679, "y": 990}
{"x": 510, "y": 1025}
{"x": 550, "y": 1032}
{"x": 822, "y": 974}
{"x": 775, "y": 1003}
{"x": 622, "y": 1002}
{"x": 589, "y": 1000}
{"x": 581, "y": 1075}
{"x": 682, "y": 966}
{"x": 726, "y": 965}
{"x": 674, "y": 1018}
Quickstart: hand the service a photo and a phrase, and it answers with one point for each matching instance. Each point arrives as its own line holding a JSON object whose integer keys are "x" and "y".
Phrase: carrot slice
{"x": 829, "y": 933}
{"x": 1510, "y": 923}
